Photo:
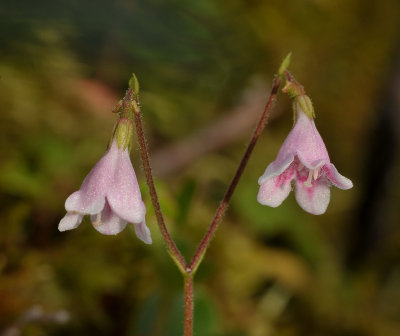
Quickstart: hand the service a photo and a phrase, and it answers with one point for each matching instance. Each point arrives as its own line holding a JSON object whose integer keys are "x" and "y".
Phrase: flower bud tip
{"x": 285, "y": 64}
{"x": 134, "y": 84}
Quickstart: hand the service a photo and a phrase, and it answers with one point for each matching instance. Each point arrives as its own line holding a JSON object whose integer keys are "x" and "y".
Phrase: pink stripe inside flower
{"x": 110, "y": 194}
{"x": 303, "y": 158}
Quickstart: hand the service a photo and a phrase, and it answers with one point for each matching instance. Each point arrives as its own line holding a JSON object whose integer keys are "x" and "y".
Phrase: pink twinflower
{"x": 110, "y": 194}
{"x": 303, "y": 158}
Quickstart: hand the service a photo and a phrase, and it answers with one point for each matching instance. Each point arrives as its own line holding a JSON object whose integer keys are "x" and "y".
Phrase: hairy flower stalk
{"x": 303, "y": 158}
{"x": 131, "y": 103}
{"x": 110, "y": 193}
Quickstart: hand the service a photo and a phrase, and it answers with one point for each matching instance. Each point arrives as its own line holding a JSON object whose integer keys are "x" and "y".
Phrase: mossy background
{"x": 203, "y": 66}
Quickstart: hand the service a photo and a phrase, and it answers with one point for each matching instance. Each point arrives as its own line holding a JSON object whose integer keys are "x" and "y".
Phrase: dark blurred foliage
{"x": 205, "y": 68}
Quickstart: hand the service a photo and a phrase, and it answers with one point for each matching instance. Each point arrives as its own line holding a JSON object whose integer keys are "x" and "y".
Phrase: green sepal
{"x": 135, "y": 106}
{"x": 293, "y": 89}
{"x": 305, "y": 104}
{"x": 123, "y": 133}
{"x": 134, "y": 84}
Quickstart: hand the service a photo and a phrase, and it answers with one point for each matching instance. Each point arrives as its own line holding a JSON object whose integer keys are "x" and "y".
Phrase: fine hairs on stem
{"x": 202, "y": 248}
{"x": 189, "y": 269}
{"x": 171, "y": 246}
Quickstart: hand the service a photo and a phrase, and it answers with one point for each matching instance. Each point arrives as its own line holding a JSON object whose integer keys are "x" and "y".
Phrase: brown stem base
{"x": 189, "y": 305}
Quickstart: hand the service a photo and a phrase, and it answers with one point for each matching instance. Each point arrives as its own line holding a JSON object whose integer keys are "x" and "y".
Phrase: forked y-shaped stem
{"x": 188, "y": 271}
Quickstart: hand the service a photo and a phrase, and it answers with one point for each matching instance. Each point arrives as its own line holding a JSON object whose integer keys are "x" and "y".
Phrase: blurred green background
{"x": 205, "y": 69}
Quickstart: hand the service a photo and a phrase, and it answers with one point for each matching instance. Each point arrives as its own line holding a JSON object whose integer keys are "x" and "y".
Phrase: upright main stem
{"x": 189, "y": 305}
{"x": 202, "y": 248}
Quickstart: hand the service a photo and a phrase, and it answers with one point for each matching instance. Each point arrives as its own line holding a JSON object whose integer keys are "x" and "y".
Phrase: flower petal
{"x": 70, "y": 221}
{"x": 124, "y": 193}
{"x": 143, "y": 232}
{"x": 92, "y": 204}
{"x": 91, "y": 196}
{"x": 337, "y": 179}
{"x": 276, "y": 168}
{"x": 314, "y": 199}
{"x": 107, "y": 222}
{"x": 275, "y": 190}
{"x": 305, "y": 142}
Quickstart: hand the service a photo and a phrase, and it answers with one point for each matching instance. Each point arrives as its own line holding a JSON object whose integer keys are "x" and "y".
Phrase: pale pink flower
{"x": 303, "y": 158}
{"x": 110, "y": 195}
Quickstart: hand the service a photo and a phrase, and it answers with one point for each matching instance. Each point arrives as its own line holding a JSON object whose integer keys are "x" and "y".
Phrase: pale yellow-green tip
{"x": 134, "y": 84}
{"x": 285, "y": 64}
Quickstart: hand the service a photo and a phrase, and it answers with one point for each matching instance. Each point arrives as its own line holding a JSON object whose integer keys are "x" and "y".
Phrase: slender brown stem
{"x": 189, "y": 305}
{"x": 171, "y": 247}
{"x": 202, "y": 248}
{"x": 188, "y": 272}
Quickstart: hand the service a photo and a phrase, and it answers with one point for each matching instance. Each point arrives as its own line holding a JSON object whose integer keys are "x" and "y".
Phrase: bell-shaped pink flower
{"x": 303, "y": 158}
{"x": 110, "y": 194}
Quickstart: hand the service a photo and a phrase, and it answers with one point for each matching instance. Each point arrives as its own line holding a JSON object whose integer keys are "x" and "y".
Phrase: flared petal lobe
{"x": 337, "y": 179}
{"x": 314, "y": 199}
{"x": 276, "y": 167}
{"x": 70, "y": 221}
{"x": 76, "y": 202}
{"x": 275, "y": 190}
{"x": 107, "y": 222}
{"x": 143, "y": 232}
